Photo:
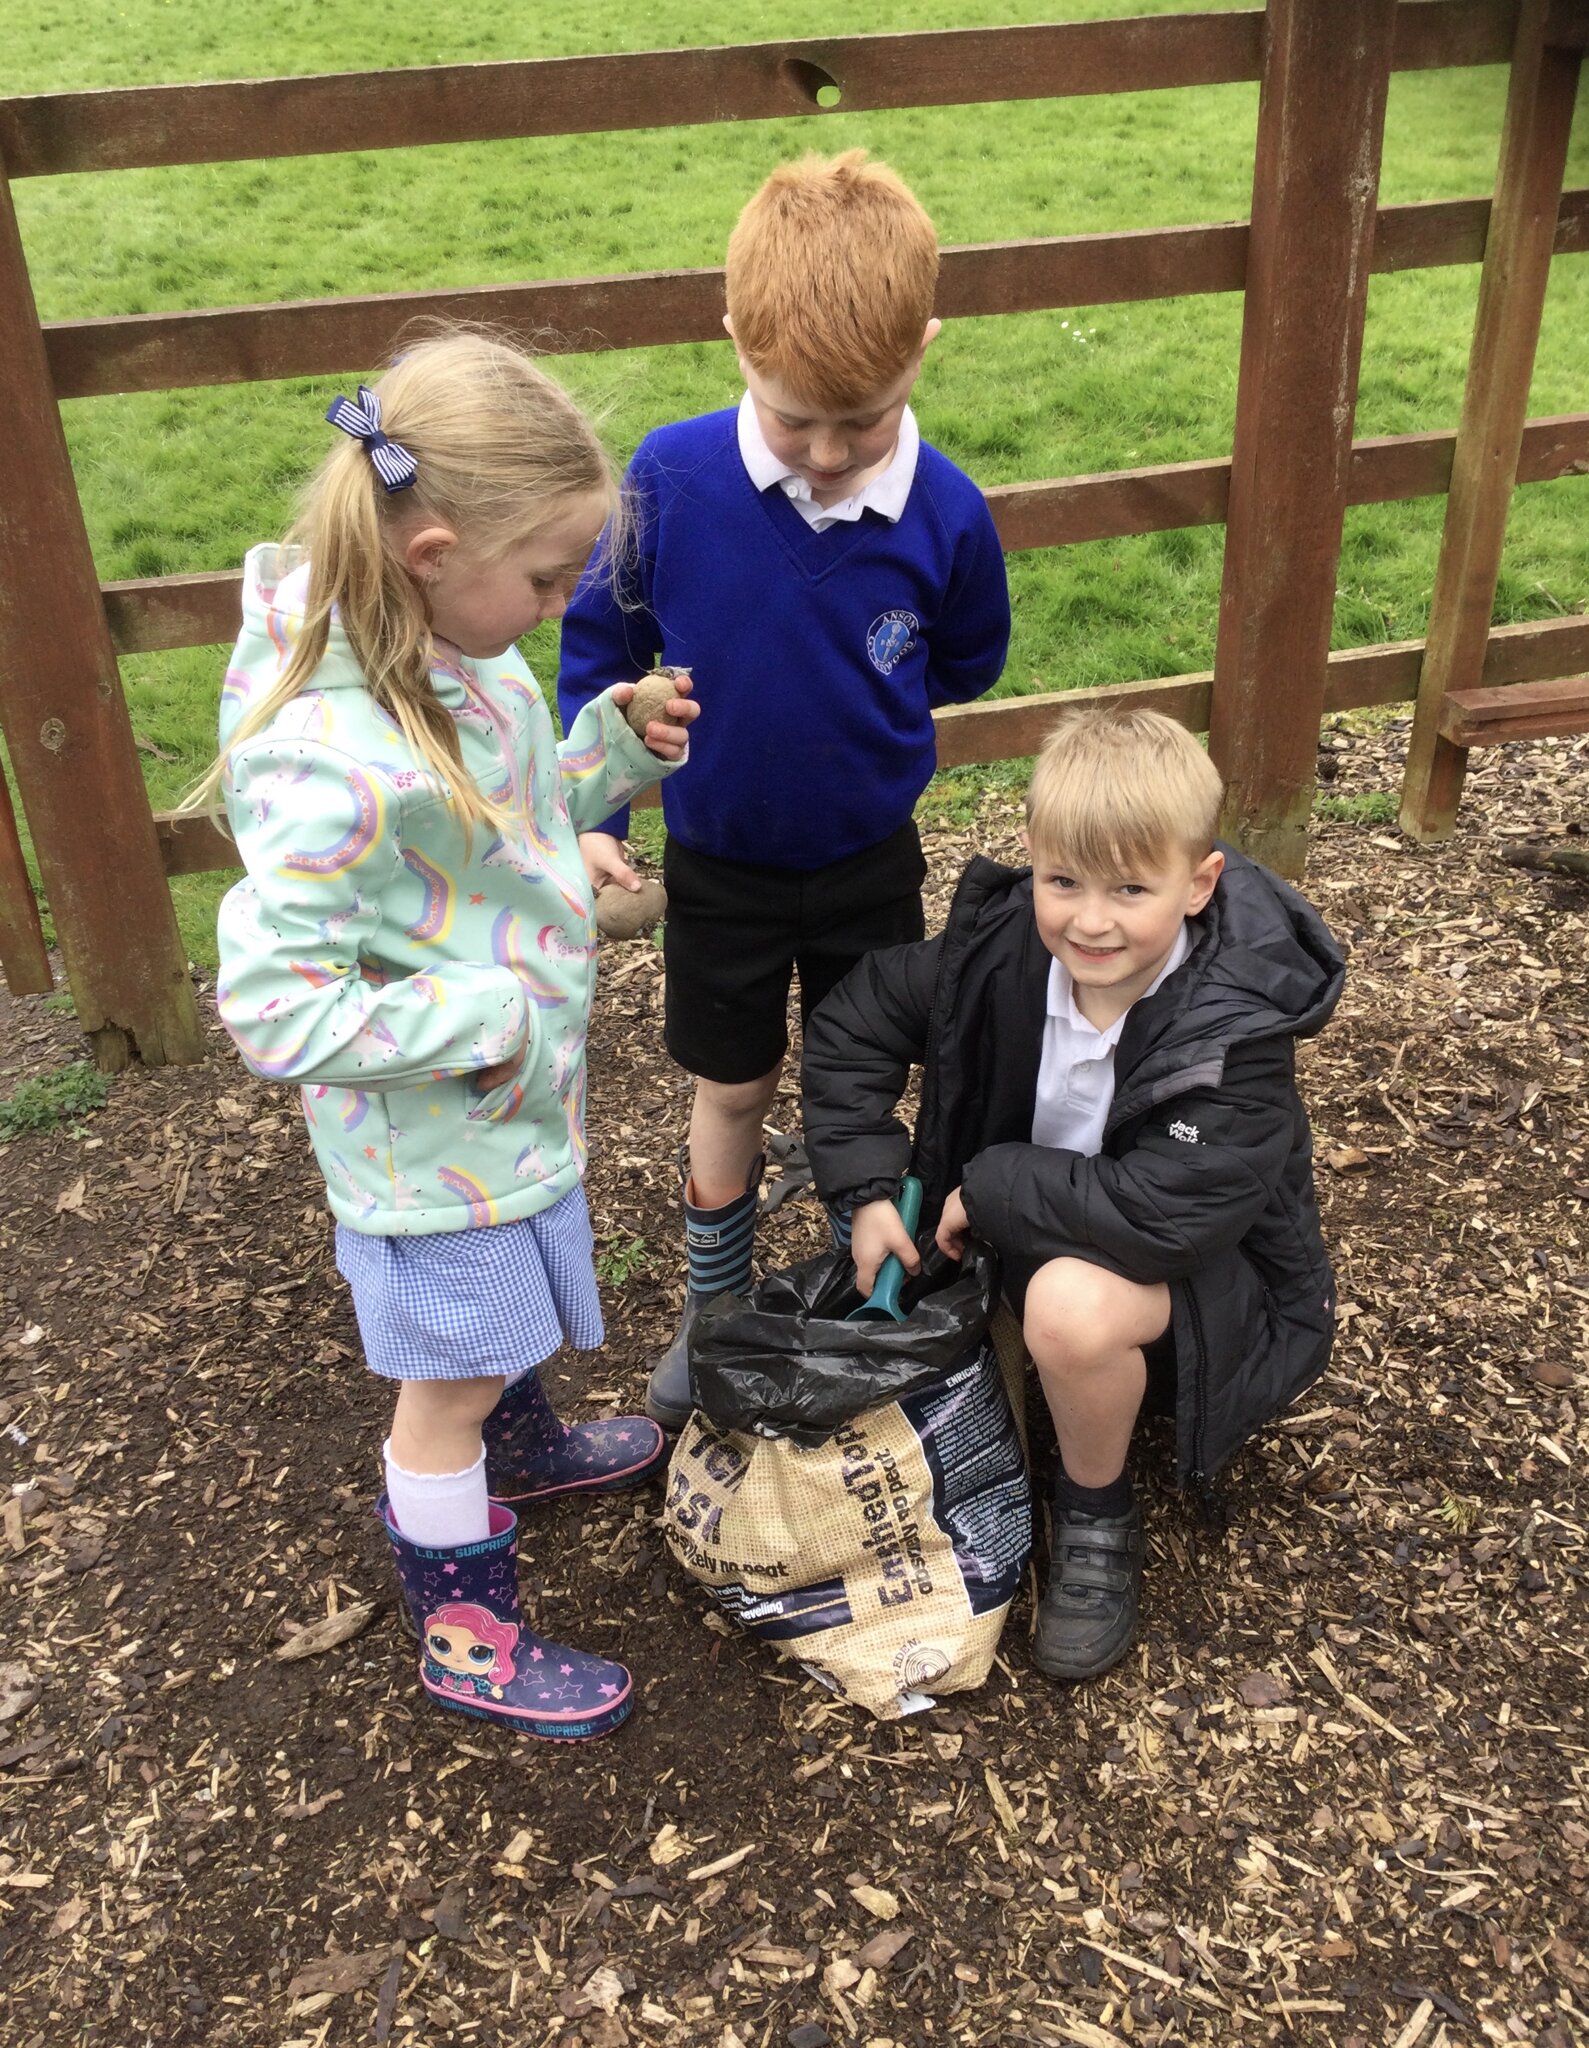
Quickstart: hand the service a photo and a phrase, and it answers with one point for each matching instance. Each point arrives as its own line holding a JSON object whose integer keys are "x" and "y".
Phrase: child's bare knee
{"x": 1077, "y": 1312}
{"x": 440, "y": 1404}
{"x": 735, "y": 1100}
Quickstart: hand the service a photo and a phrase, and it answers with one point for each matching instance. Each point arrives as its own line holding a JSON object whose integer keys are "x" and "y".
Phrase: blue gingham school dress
{"x": 461, "y": 1304}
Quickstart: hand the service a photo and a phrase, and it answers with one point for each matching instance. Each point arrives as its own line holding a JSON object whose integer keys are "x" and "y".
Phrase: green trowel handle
{"x": 883, "y": 1301}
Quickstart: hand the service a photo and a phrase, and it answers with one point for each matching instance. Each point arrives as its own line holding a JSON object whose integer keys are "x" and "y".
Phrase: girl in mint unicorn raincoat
{"x": 414, "y": 949}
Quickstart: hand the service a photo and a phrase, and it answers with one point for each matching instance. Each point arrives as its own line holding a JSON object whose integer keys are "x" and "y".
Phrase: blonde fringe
{"x": 1116, "y": 787}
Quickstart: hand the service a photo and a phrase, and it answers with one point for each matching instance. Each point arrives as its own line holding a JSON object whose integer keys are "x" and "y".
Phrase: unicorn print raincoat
{"x": 378, "y": 955}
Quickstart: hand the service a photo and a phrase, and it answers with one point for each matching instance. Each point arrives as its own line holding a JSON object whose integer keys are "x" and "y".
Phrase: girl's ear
{"x": 426, "y": 550}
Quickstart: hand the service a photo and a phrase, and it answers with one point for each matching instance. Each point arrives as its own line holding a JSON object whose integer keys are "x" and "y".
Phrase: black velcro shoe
{"x": 1089, "y": 1612}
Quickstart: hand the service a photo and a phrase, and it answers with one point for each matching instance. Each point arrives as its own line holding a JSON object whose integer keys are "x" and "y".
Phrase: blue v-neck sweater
{"x": 817, "y": 657}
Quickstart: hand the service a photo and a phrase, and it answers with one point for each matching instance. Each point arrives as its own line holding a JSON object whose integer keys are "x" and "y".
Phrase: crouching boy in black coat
{"x": 1108, "y": 1099}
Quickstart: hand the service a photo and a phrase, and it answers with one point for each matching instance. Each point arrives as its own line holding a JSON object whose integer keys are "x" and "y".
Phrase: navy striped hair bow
{"x": 395, "y": 467}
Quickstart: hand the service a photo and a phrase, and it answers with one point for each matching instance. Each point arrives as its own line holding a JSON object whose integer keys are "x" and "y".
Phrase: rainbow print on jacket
{"x": 382, "y": 957}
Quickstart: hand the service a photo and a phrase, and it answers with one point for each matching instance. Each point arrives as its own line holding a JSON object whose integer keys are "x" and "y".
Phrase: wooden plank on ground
{"x": 1512, "y": 287}
{"x": 91, "y": 358}
{"x": 1523, "y": 711}
{"x": 66, "y": 722}
{"x": 1320, "y": 129}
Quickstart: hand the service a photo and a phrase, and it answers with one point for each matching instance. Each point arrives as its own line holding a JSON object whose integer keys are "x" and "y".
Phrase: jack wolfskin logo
{"x": 1187, "y": 1133}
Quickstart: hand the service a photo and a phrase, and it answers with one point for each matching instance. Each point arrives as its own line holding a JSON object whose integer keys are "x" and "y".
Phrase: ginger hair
{"x": 1116, "y": 789}
{"x": 501, "y": 450}
{"x": 831, "y": 272}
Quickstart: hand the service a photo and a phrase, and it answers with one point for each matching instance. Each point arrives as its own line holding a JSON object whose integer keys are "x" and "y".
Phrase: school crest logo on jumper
{"x": 890, "y": 637}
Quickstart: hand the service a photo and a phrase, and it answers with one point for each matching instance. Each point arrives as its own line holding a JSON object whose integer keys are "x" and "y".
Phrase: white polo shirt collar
{"x": 885, "y": 494}
{"x": 1075, "y": 1080}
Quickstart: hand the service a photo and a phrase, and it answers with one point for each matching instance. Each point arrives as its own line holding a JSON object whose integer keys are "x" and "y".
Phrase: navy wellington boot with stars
{"x": 476, "y": 1654}
{"x": 532, "y": 1455}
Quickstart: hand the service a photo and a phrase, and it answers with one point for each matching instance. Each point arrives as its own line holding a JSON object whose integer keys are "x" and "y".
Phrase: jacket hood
{"x": 1272, "y": 959}
{"x": 275, "y": 594}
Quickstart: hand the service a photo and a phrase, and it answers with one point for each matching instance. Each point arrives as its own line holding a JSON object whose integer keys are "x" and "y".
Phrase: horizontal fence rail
{"x": 1357, "y": 678}
{"x": 317, "y": 337}
{"x": 151, "y": 614}
{"x": 141, "y": 127}
{"x": 970, "y": 735}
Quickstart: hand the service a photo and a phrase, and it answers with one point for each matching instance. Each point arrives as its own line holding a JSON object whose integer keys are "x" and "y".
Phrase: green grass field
{"x": 187, "y": 480}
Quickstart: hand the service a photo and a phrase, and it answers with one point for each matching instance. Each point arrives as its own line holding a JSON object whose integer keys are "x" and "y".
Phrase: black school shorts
{"x": 736, "y": 931}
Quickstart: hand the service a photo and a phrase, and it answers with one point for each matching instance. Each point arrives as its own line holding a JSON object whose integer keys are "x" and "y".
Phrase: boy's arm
{"x": 610, "y": 634}
{"x": 1197, "y": 1179}
{"x": 972, "y": 637}
{"x": 860, "y": 1044}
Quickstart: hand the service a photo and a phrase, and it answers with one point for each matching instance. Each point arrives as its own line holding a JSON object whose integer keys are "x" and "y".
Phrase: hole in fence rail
{"x": 816, "y": 87}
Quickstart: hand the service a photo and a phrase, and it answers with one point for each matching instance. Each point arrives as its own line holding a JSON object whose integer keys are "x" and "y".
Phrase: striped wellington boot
{"x": 720, "y": 1246}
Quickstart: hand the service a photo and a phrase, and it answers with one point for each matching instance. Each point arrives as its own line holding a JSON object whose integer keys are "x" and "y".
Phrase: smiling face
{"x": 837, "y": 453}
{"x": 1113, "y": 932}
{"x": 482, "y": 603}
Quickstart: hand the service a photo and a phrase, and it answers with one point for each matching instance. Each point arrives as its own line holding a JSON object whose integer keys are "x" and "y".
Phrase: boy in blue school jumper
{"x": 827, "y": 578}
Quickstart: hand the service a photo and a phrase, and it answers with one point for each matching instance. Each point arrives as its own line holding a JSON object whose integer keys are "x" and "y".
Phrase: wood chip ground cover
{"x": 1335, "y": 1795}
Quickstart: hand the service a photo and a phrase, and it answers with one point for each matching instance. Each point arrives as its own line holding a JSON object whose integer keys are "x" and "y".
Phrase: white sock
{"x": 441, "y": 1510}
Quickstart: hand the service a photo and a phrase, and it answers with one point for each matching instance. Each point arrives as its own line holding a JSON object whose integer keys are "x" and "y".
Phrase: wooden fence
{"x": 1304, "y": 259}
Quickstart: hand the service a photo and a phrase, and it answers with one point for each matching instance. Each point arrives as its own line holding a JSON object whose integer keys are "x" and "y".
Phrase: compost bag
{"x": 855, "y": 1493}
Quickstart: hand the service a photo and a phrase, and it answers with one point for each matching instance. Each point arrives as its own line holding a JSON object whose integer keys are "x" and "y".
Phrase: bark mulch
{"x": 1335, "y": 1795}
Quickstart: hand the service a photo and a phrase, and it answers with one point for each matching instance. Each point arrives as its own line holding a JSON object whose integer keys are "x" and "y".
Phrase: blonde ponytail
{"x": 500, "y": 450}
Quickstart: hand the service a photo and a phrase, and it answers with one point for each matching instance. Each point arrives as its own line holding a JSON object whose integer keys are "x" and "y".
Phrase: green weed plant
{"x": 66, "y": 1096}
{"x": 620, "y": 1258}
{"x": 1372, "y": 807}
{"x": 187, "y": 480}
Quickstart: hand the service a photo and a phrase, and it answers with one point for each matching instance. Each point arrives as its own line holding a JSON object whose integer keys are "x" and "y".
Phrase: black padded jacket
{"x": 1205, "y": 1178}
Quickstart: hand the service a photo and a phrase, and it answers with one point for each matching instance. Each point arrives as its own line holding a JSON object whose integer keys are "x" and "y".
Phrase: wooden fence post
{"x": 1321, "y": 121}
{"x": 23, "y": 958}
{"x": 1512, "y": 286}
{"x": 66, "y": 721}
